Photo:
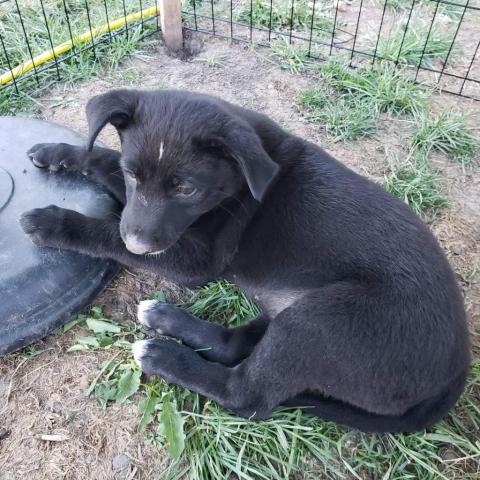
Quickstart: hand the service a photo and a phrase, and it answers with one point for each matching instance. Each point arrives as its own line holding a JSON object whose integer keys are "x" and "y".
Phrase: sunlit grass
{"x": 418, "y": 185}
{"x": 447, "y": 132}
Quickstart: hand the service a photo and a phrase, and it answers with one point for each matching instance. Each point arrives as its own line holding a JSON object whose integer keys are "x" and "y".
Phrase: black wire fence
{"x": 437, "y": 41}
{"x": 49, "y": 40}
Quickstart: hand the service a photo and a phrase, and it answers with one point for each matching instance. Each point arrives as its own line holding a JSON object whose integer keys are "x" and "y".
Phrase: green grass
{"x": 281, "y": 15}
{"x": 104, "y": 59}
{"x": 469, "y": 276}
{"x": 454, "y": 11}
{"x": 399, "y": 5}
{"x": 344, "y": 117}
{"x": 290, "y": 56}
{"x": 347, "y": 102}
{"x": 447, "y": 132}
{"x": 129, "y": 75}
{"x": 12, "y": 103}
{"x": 103, "y": 62}
{"x": 213, "y": 60}
{"x": 403, "y": 6}
{"x": 385, "y": 87}
{"x": 363, "y": 92}
{"x": 408, "y": 46}
{"x": 30, "y": 351}
{"x": 206, "y": 443}
{"x": 417, "y": 184}
{"x": 222, "y": 302}
{"x": 11, "y": 29}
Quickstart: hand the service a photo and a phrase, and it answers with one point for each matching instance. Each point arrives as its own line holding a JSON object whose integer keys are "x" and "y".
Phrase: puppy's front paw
{"x": 144, "y": 312}
{"x": 54, "y": 156}
{"x": 161, "y": 317}
{"x": 140, "y": 351}
{"x": 46, "y": 227}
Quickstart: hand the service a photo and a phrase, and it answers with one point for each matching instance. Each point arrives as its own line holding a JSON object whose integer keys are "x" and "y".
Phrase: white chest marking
{"x": 274, "y": 302}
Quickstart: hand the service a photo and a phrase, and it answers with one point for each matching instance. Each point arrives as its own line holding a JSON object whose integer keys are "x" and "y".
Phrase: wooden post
{"x": 171, "y": 23}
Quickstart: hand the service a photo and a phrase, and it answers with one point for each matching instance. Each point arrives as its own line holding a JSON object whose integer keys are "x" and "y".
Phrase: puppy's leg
{"x": 300, "y": 351}
{"x": 101, "y": 165}
{"x": 61, "y": 228}
{"x": 332, "y": 348}
{"x": 57, "y": 227}
{"x": 253, "y": 389}
{"x": 218, "y": 344}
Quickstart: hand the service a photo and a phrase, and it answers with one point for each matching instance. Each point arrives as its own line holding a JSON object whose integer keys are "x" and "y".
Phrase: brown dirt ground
{"x": 44, "y": 394}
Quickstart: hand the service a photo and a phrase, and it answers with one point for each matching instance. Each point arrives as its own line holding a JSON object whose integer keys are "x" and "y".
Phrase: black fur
{"x": 362, "y": 319}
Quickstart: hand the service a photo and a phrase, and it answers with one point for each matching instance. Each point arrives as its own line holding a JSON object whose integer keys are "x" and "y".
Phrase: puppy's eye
{"x": 185, "y": 189}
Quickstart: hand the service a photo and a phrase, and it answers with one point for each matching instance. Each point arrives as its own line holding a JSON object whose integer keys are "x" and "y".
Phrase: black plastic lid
{"x": 41, "y": 288}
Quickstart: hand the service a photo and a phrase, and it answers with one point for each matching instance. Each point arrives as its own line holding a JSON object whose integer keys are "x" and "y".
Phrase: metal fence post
{"x": 171, "y": 23}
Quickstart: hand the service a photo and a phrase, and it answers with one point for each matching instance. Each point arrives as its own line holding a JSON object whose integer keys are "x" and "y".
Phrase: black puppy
{"x": 362, "y": 319}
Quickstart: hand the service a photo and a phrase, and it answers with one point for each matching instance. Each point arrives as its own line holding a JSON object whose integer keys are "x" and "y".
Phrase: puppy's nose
{"x": 135, "y": 245}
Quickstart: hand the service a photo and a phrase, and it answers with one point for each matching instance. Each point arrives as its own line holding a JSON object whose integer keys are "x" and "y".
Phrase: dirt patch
{"x": 43, "y": 394}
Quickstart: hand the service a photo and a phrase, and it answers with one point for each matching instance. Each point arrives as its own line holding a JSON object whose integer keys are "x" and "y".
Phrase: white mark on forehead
{"x": 160, "y": 153}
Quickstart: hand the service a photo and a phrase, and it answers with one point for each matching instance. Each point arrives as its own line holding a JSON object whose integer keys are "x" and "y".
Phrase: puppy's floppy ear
{"x": 116, "y": 107}
{"x": 244, "y": 146}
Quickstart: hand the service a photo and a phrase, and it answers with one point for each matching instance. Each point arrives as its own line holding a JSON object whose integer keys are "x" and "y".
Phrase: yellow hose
{"x": 66, "y": 46}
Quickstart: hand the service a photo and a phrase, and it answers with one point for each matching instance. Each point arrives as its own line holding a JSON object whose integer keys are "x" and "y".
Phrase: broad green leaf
{"x": 69, "y": 325}
{"x": 128, "y": 384}
{"x": 102, "y": 326}
{"x": 147, "y": 409}
{"x": 124, "y": 343}
{"x": 105, "y": 392}
{"x": 105, "y": 366}
{"x": 171, "y": 426}
{"x": 105, "y": 340}
{"x": 88, "y": 341}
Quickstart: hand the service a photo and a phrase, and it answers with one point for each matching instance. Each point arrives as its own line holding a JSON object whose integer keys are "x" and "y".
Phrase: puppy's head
{"x": 182, "y": 156}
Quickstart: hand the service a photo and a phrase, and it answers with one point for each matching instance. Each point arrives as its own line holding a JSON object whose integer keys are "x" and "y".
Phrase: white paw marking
{"x": 142, "y": 310}
{"x": 139, "y": 350}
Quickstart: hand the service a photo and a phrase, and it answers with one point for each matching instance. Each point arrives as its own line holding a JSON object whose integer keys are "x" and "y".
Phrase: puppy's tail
{"x": 418, "y": 417}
